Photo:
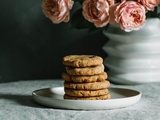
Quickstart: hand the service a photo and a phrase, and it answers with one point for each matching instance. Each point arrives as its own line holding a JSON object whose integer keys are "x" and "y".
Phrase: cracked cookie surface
{"x": 85, "y": 93}
{"x": 82, "y": 60}
{"x": 87, "y": 86}
{"x": 94, "y": 70}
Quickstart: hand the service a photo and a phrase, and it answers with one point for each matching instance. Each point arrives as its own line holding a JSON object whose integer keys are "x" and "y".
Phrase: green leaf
{"x": 118, "y": 1}
{"x": 158, "y": 12}
{"x": 80, "y": 1}
{"x": 79, "y": 22}
{"x": 148, "y": 14}
{"x": 153, "y": 14}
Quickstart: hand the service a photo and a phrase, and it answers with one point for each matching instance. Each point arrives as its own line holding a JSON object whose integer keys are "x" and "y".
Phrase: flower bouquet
{"x": 93, "y": 14}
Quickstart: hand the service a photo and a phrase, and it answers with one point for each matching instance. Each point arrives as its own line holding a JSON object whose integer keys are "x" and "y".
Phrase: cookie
{"x": 85, "y": 78}
{"x": 85, "y": 71}
{"x": 87, "y": 86}
{"x": 82, "y": 60}
{"x": 85, "y": 93}
{"x": 102, "y": 97}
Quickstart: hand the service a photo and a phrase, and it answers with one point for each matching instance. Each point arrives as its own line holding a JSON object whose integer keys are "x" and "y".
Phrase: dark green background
{"x": 31, "y": 47}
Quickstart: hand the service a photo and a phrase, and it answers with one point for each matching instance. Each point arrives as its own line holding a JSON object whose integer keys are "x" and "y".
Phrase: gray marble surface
{"x": 16, "y": 103}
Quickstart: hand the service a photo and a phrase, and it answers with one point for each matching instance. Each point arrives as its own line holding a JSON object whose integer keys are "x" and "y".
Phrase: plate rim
{"x": 87, "y": 104}
{"x": 138, "y": 94}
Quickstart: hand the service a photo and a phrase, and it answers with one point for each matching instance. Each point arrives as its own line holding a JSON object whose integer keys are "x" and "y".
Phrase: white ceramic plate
{"x": 53, "y": 97}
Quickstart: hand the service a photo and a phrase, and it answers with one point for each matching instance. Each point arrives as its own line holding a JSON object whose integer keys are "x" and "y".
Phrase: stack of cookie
{"x": 85, "y": 78}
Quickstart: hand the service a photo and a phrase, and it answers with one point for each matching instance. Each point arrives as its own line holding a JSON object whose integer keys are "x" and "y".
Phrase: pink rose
{"x": 130, "y": 15}
{"x": 57, "y": 10}
{"x": 150, "y": 4}
{"x": 97, "y": 11}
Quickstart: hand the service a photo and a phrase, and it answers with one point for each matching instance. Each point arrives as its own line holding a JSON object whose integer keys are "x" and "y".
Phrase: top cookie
{"x": 82, "y": 60}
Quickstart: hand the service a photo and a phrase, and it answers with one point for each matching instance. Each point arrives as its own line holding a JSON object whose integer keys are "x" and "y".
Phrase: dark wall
{"x": 31, "y": 47}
